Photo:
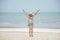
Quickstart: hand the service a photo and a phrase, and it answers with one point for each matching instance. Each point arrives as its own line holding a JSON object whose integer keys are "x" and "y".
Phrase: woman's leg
{"x": 31, "y": 32}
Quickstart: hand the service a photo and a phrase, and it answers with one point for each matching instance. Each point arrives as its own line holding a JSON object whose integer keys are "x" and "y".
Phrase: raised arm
{"x": 36, "y": 12}
{"x": 24, "y": 12}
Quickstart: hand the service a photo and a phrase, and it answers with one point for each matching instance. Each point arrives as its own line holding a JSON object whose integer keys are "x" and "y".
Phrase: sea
{"x": 20, "y": 20}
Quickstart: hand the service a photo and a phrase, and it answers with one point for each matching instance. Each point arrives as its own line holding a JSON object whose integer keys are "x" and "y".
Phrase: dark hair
{"x": 30, "y": 15}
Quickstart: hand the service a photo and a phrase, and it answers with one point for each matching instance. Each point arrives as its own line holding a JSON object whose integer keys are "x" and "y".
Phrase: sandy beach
{"x": 22, "y": 35}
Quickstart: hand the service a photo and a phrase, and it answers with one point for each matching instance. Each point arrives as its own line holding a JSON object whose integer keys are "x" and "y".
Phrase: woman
{"x": 30, "y": 21}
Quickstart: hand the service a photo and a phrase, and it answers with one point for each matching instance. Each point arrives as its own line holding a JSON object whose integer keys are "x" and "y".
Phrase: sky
{"x": 30, "y": 5}
{"x": 11, "y": 14}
